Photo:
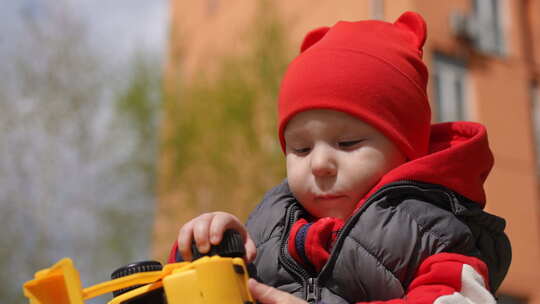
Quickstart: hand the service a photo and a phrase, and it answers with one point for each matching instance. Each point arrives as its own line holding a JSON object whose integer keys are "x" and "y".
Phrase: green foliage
{"x": 212, "y": 116}
{"x": 269, "y": 51}
{"x": 139, "y": 101}
{"x": 140, "y": 105}
{"x": 224, "y": 139}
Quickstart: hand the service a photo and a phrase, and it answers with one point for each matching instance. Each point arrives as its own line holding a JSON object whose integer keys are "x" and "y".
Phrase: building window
{"x": 450, "y": 80}
{"x": 489, "y": 26}
{"x": 212, "y": 7}
{"x": 483, "y": 27}
{"x": 376, "y": 8}
{"x": 535, "y": 113}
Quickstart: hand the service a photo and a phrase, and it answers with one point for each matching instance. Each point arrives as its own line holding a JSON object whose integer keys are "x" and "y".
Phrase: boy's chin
{"x": 330, "y": 211}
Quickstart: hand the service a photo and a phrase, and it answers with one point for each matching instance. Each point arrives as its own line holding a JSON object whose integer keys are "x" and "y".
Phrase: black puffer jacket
{"x": 382, "y": 245}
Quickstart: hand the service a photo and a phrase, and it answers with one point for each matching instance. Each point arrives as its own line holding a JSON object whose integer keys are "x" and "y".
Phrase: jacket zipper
{"x": 311, "y": 291}
{"x": 312, "y": 294}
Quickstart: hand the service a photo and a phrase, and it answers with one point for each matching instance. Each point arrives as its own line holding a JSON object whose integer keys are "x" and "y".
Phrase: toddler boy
{"x": 378, "y": 204}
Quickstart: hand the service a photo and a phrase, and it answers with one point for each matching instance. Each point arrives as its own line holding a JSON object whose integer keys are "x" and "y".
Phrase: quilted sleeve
{"x": 448, "y": 278}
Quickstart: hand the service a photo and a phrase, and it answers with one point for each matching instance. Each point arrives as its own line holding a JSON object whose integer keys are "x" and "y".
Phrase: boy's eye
{"x": 349, "y": 143}
{"x": 301, "y": 150}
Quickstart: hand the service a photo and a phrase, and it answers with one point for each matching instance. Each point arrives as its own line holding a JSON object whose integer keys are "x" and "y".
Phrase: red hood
{"x": 459, "y": 158}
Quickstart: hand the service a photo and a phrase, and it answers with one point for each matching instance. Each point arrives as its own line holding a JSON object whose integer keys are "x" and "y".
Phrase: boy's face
{"x": 334, "y": 159}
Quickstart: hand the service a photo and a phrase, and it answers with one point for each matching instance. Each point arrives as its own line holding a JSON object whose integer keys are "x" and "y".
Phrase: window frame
{"x": 451, "y": 88}
{"x": 489, "y": 23}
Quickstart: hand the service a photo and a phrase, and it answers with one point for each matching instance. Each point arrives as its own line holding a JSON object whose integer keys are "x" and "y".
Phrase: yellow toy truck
{"x": 217, "y": 277}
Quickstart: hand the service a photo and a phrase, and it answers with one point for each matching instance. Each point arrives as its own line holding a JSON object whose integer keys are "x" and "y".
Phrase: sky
{"x": 124, "y": 26}
{"x": 116, "y": 27}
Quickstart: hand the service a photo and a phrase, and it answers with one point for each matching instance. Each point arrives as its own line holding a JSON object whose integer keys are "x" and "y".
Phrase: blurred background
{"x": 80, "y": 103}
{"x": 122, "y": 120}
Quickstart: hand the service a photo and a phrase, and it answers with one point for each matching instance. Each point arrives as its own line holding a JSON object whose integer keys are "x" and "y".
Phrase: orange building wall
{"x": 500, "y": 91}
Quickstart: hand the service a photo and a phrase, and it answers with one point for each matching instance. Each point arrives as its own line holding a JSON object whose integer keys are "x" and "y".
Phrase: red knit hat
{"x": 372, "y": 70}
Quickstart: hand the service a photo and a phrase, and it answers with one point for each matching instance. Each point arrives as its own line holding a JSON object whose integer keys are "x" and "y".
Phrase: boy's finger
{"x": 262, "y": 293}
{"x": 201, "y": 229}
{"x": 185, "y": 237}
{"x": 220, "y": 223}
{"x": 265, "y": 294}
{"x": 251, "y": 250}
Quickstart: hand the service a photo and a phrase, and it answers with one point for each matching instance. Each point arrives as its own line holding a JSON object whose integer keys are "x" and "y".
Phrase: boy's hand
{"x": 265, "y": 294}
{"x": 207, "y": 229}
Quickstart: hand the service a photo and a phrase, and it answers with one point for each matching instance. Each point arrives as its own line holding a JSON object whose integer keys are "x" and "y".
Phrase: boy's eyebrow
{"x": 294, "y": 136}
{"x": 338, "y": 131}
{"x": 295, "y": 131}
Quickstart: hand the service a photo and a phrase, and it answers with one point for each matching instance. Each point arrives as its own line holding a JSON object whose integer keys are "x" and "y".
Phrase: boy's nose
{"x": 322, "y": 161}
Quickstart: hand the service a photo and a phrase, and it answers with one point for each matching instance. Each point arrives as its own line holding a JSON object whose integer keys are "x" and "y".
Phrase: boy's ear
{"x": 312, "y": 37}
{"x": 416, "y": 25}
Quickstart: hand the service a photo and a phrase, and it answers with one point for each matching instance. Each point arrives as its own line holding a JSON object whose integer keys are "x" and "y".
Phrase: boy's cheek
{"x": 298, "y": 188}
{"x": 295, "y": 174}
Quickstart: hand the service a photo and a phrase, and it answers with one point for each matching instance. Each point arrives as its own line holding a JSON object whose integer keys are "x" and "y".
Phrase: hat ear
{"x": 313, "y": 37}
{"x": 416, "y": 25}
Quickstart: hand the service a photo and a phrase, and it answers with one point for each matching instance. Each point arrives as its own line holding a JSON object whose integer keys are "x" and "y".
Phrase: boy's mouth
{"x": 328, "y": 196}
